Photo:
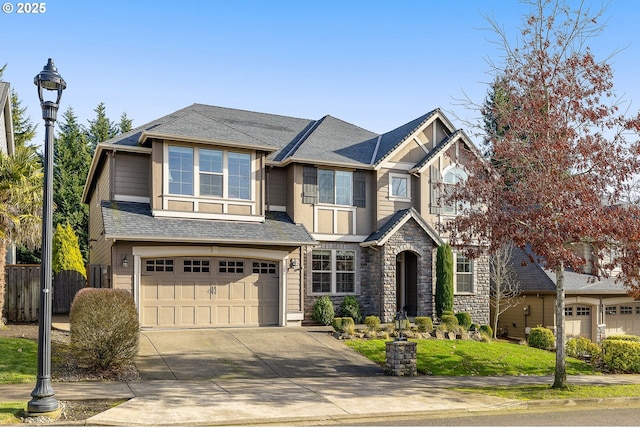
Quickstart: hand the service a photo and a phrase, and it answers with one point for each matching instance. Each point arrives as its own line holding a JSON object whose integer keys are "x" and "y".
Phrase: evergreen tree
{"x": 72, "y": 159}
{"x": 101, "y": 128}
{"x": 23, "y": 128}
{"x": 444, "y": 279}
{"x": 66, "y": 252}
{"x": 126, "y": 124}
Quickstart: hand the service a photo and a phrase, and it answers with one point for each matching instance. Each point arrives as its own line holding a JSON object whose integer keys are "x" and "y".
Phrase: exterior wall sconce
{"x": 294, "y": 263}
{"x": 125, "y": 261}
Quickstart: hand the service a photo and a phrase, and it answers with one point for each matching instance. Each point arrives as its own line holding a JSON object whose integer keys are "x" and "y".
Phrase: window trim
{"x": 333, "y": 271}
{"x": 470, "y": 273}
{"x": 196, "y": 194}
{"x": 453, "y": 168}
{"x": 404, "y": 176}
{"x": 334, "y": 173}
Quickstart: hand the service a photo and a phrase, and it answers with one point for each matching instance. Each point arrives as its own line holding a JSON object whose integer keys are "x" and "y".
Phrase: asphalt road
{"x": 596, "y": 415}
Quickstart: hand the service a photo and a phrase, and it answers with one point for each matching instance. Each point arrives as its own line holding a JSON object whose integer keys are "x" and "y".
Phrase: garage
{"x": 183, "y": 292}
{"x": 578, "y": 320}
{"x": 622, "y": 319}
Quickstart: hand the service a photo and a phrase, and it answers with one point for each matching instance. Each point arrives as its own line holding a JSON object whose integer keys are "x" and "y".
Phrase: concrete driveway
{"x": 241, "y": 353}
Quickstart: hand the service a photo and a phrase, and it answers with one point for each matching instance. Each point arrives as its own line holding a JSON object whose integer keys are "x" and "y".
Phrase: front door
{"x": 407, "y": 283}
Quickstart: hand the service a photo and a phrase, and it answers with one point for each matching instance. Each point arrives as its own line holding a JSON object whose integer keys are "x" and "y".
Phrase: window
{"x": 637, "y": 309}
{"x": 209, "y": 173}
{"x": 626, "y": 309}
{"x": 399, "y": 186}
{"x": 333, "y": 271}
{"x": 231, "y": 266}
{"x": 264, "y": 267}
{"x": 568, "y": 311}
{"x": 195, "y": 266}
{"x": 583, "y": 311}
{"x": 159, "y": 265}
{"x": 181, "y": 170}
{"x": 464, "y": 274}
{"x": 613, "y": 310}
{"x": 335, "y": 187}
{"x": 452, "y": 177}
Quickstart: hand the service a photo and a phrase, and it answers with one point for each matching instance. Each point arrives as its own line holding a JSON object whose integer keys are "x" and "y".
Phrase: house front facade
{"x": 214, "y": 216}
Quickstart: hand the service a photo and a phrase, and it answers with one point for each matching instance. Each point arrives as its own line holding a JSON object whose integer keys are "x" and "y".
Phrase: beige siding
{"x": 277, "y": 187}
{"x": 386, "y": 206}
{"x": 122, "y": 276}
{"x": 541, "y": 312}
{"x": 411, "y": 152}
{"x": 156, "y": 174}
{"x": 132, "y": 173}
{"x": 99, "y": 252}
{"x": 294, "y": 285}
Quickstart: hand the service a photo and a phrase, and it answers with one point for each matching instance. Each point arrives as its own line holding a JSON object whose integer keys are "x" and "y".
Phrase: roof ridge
{"x": 304, "y": 137}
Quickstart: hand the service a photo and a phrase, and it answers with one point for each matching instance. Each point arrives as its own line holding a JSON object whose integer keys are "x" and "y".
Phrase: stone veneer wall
{"x": 477, "y": 304}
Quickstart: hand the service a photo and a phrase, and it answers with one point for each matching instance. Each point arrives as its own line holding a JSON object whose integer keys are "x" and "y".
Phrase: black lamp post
{"x": 43, "y": 399}
{"x": 401, "y": 324}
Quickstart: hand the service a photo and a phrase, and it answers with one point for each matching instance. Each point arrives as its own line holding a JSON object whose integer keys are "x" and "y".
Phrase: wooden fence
{"x": 22, "y": 296}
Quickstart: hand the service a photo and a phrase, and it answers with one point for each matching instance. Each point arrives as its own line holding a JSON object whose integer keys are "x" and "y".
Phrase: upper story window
{"x": 335, "y": 187}
{"x": 209, "y": 173}
{"x": 399, "y": 186}
{"x": 453, "y": 176}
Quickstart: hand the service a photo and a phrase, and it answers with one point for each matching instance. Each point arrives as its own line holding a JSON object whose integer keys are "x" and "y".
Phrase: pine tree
{"x": 126, "y": 124}
{"x": 72, "y": 160}
{"x": 66, "y": 252}
{"x": 23, "y": 128}
{"x": 101, "y": 128}
{"x": 444, "y": 279}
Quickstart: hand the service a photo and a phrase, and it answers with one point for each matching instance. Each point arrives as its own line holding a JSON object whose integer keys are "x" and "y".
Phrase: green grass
{"x": 10, "y": 411}
{"x": 473, "y": 358}
{"x": 545, "y": 392}
{"x": 18, "y": 360}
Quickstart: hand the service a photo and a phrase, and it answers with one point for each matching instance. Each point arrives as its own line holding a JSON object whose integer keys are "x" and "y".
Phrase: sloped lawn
{"x": 18, "y": 360}
{"x": 473, "y": 358}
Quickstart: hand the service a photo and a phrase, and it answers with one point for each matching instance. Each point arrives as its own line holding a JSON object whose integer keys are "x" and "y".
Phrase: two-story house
{"x": 214, "y": 216}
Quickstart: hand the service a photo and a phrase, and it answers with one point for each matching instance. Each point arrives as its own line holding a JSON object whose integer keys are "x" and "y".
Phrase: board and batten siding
{"x": 100, "y": 252}
{"x": 131, "y": 176}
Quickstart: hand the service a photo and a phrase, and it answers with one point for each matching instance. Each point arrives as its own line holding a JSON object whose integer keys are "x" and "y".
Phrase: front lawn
{"x": 544, "y": 392}
{"x": 18, "y": 360}
{"x": 474, "y": 358}
{"x": 11, "y": 411}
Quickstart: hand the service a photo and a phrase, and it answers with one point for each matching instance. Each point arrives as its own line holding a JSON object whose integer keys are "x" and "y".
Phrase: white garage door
{"x": 208, "y": 292}
{"x": 622, "y": 319}
{"x": 577, "y": 321}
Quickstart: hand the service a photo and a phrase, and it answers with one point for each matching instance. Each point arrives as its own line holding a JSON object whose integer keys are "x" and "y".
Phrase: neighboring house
{"x": 6, "y": 144}
{"x": 214, "y": 216}
{"x": 594, "y": 308}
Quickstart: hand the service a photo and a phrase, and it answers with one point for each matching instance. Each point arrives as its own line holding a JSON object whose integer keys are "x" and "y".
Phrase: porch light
{"x": 401, "y": 321}
{"x": 125, "y": 261}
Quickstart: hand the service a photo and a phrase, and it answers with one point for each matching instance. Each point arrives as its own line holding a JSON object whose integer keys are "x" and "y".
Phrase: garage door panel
{"x": 224, "y": 298}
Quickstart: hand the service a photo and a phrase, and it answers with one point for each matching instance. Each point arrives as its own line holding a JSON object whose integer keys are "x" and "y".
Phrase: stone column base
{"x": 401, "y": 359}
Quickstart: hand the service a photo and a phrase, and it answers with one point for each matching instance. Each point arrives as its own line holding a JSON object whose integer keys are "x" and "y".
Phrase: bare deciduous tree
{"x": 505, "y": 288}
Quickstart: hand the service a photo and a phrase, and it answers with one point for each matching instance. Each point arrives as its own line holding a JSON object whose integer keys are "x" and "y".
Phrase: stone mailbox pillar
{"x": 401, "y": 359}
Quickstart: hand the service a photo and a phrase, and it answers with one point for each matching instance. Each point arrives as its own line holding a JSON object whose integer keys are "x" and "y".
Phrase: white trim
{"x": 277, "y": 208}
{"x": 405, "y": 176}
{"x": 375, "y": 151}
{"x": 298, "y": 315}
{"x": 134, "y": 199}
{"x": 335, "y": 209}
{"x": 217, "y": 251}
{"x": 334, "y": 272}
{"x": 472, "y": 273}
{"x": 351, "y": 238}
{"x": 203, "y": 215}
{"x": 404, "y": 166}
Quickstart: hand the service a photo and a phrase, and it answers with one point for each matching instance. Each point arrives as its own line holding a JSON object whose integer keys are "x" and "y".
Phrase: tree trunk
{"x": 560, "y": 379}
{"x": 3, "y": 253}
{"x": 496, "y": 307}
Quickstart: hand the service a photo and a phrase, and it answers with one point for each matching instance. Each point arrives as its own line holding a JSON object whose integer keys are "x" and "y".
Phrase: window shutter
{"x": 359, "y": 189}
{"x": 309, "y": 185}
{"x": 434, "y": 202}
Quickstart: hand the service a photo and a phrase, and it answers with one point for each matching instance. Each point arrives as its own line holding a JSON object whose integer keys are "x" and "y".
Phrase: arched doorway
{"x": 407, "y": 282}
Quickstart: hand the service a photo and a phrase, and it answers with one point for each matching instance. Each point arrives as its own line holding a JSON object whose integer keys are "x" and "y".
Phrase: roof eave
{"x": 209, "y": 240}
{"x": 145, "y": 135}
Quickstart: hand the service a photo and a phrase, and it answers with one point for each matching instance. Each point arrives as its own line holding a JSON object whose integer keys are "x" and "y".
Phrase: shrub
{"x": 449, "y": 321}
{"x": 624, "y": 338}
{"x": 372, "y": 322}
{"x": 583, "y": 348}
{"x": 464, "y": 320}
{"x": 350, "y": 307}
{"x": 621, "y": 355}
{"x": 424, "y": 324}
{"x": 323, "y": 311}
{"x": 444, "y": 279}
{"x": 344, "y": 324}
{"x": 486, "y": 330}
{"x": 104, "y": 328}
{"x": 65, "y": 249}
{"x": 540, "y": 337}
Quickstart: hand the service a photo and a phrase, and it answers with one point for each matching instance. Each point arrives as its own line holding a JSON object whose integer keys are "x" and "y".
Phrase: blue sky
{"x": 377, "y": 63}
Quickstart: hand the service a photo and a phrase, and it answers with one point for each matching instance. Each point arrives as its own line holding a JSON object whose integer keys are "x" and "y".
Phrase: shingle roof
{"x": 533, "y": 278}
{"x": 436, "y": 150}
{"x": 134, "y": 221}
{"x": 395, "y": 221}
{"x": 394, "y": 138}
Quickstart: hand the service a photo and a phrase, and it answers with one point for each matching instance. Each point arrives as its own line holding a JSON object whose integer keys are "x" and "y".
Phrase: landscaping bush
{"x": 372, "y": 322}
{"x": 104, "y": 328}
{"x": 449, "y": 321}
{"x": 444, "y": 279}
{"x": 540, "y": 337}
{"x": 350, "y": 307}
{"x": 323, "y": 311}
{"x": 424, "y": 324}
{"x": 464, "y": 320}
{"x": 624, "y": 338}
{"x": 486, "y": 329}
{"x": 344, "y": 325}
{"x": 621, "y": 355}
{"x": 582, "y": 347}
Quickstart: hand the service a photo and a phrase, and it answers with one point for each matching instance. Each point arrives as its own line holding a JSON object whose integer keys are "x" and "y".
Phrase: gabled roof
{"x": 135, "y": 222}
{"x": 6, "y": 139}
{"x": 394, "y": 223}
{"x": 533, "y": 278}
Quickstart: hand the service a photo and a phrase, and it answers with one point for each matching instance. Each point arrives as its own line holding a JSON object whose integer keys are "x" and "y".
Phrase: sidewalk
{"x": 282, "y": 400}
